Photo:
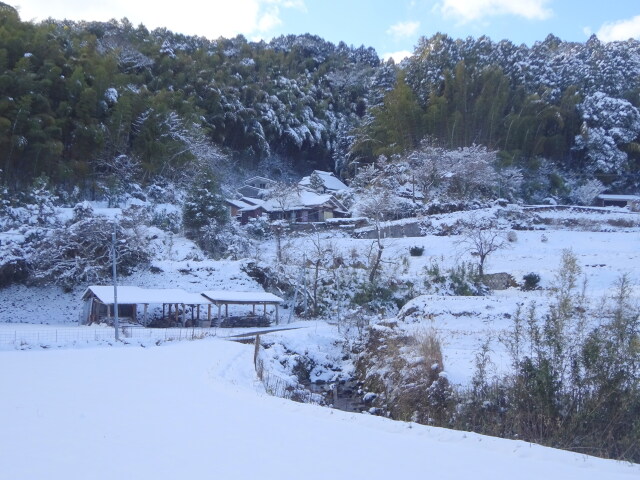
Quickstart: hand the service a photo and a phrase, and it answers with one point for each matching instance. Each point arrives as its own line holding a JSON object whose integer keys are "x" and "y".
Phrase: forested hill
{"x": 572, "y": 104}
{"x": 75, "y": 96}
{"x": 80, "y": 102}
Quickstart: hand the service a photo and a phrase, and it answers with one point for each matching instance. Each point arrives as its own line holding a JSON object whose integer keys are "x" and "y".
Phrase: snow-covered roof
{"x": 252, "y": 201}
{"x": 300, "y": 200}
{"x": 130, "y": 294}
{"x": 329, "y": 180}
{"x": 237, "y": 203}
{"x": 226, "y": 296}
{"x": 259, "y": 179}
{"x": 619, "y": 198}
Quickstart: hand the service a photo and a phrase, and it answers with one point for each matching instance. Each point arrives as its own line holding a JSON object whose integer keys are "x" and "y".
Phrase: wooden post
{"x": 264, "y": 306}
{"x": 177, "y": 320}
{"x": 108, "y": 313}
{"x": 256, "y": 350}
{"x": 254, "y": 309}
{"x": 219, "y": 308}
{"x": 226, "y": 310}
{"x": 144, "y": 320}
{"x": 209, "y": 313}
{"x": 277, "y": 314}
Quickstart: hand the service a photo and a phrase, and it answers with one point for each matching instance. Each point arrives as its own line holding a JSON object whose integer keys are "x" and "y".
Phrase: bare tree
{"x": 481, "y": 240}
{"x": 378, "y": 205}
{"x": 284, "y": 196}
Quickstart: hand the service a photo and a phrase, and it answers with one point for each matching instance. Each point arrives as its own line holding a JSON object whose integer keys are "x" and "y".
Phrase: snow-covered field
{"x": 195, "y": 410}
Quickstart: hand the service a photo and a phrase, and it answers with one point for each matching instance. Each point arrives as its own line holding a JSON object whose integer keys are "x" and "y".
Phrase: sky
{"x": 392, "y": 27}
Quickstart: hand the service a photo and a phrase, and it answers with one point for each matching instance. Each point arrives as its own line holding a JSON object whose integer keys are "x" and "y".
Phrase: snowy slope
{"x": 194, "y": 410}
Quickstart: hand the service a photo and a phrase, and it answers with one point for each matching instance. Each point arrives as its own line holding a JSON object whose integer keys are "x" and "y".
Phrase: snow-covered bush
{"x": 258, "y": 228}
{"x": 406, "y": 372}
{"x": 530, "y": 281}
{"x": 224, "y": 240}
{"x": 13, "y": 264}
{"x": 80, "y": 252}
{"x": 462, "y": 279}
{"x": 82, "y": 211}
{"x": 41, "y": 202}
{"x": 586, "y": 193}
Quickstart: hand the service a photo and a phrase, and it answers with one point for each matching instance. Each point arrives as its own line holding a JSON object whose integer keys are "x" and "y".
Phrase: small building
{"x": 610, "y": 200}
{"x": 330, "y": 183}
{"x": 99, "y": 305}
{"x": 235, "y": 206}
{"x": 301, "y": 206}
{"x": 221, "y": 298}
{"x": 257, "y": 187}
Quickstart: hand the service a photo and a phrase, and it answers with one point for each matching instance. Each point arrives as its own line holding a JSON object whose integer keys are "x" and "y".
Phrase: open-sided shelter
{"x": 99, "y": 301}
{"x": 225, "y": 298}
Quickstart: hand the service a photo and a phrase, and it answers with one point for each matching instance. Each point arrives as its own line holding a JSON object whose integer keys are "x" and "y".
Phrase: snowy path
{"x": 194, "y": 410}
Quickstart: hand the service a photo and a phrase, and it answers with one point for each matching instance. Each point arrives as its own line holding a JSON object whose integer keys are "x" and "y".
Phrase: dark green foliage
{"x": 74, "y": 96}
{"x": 463, "y": 279}
{"x": 570, "y": 387}
{"x": 204, "y": 206}
{"x": 416, "y": 251}
{"x": 531, "y": 281}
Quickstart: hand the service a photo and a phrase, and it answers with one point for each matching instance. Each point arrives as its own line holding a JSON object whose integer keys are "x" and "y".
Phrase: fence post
{"x": 256, "y": 350}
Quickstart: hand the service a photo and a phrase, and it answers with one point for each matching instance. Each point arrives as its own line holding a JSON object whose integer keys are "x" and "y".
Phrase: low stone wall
{"x": 408, "y": 229}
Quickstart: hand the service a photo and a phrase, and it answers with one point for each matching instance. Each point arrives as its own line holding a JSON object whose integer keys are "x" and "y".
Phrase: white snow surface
{"x": 329, "y": 180}
{"x": 195, "y": 410}
{"x": 128, "y": 294}
{"x": 248, "y": 297}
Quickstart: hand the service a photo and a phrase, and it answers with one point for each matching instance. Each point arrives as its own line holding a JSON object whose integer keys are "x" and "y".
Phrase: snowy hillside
{"x": 195, "y": 410}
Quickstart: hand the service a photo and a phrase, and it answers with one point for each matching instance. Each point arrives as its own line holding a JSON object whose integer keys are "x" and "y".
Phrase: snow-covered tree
{"x": 42, "y": 202}
{"x": 462, "y": 173}
{"x": 609, "y": 124}
{"x": 586, "y": 193}
{"x": 80, "y": 252}
{"x": 204, "y": 206}
{"x": 315, "y": 182}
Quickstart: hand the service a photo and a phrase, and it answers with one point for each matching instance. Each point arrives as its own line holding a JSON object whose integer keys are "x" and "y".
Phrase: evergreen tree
{"x": 204, "y": 205}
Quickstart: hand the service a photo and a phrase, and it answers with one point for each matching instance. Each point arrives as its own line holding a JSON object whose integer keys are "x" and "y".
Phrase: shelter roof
{"x": 608, "y": 196}
{"x": 226, "y": 296}
{"x": 132, "y": 294}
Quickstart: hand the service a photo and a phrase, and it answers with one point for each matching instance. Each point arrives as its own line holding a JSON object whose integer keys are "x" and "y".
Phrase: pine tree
{"x": 203, "y": 206}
